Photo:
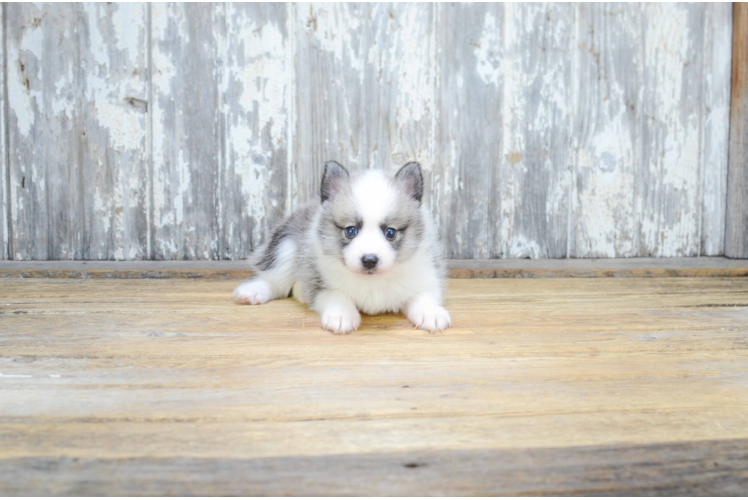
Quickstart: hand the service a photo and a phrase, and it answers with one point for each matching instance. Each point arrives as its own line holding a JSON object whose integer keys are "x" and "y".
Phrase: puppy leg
{"x": 338, "y": 312}
{"x": 275, "y": 275}
{"x": 424, "y": 312}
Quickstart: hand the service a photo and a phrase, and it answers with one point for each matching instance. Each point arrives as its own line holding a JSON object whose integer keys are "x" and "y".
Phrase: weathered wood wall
{"x": 736, "y": 235}
{"x": 186, "y": 131}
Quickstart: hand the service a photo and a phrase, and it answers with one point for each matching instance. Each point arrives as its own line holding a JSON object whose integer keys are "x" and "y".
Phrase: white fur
{"x": 253, "y": 292}
{"x": 424, "y": 312}
{"x": 338, "y": 313}
{"x": 272, "y": 284}
{"x": 374, "y": 196}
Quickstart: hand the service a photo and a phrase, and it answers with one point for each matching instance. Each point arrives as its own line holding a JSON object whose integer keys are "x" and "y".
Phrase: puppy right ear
{"x": 334, "y": 178}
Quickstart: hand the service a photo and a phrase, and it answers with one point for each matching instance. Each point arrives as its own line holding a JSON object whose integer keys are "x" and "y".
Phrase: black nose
{"x": 369, "y": 261}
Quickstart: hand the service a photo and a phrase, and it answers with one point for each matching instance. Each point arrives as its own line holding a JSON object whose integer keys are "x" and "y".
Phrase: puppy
{"x": 369, "y": 245}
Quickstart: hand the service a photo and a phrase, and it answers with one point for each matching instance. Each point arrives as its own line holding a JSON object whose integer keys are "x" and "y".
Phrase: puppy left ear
{"x": 411, "y": 179}
{"x": 333, "y": 180}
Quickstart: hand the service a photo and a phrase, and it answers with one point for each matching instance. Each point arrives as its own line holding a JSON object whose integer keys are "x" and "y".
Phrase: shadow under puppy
{"x": 369, "y": 246}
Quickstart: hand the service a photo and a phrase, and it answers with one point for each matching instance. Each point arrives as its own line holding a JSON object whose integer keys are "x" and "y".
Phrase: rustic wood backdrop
{"x": 186, "y": 131}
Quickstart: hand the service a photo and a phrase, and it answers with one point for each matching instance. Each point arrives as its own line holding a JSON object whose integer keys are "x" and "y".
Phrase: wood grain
{"x": 607, "y": 83}
{"x": 736, "y": 236}
{"x": 256, "y": 85}
{"x": 670, "y": 113}
{"x": 469, "y": 129}
{"x": 330, "y": 70}
{"x": 5, "y": 224}
{"x": 399, "y": 87}
{"x": 711, "y": 468}
{"x": 534, "y": 189}
{"x": 46, "y": 178}
{"x": 365, "y": 89}
{"x": 77, "y": 130}
{"x": 550, "y": 384}
{"x": 715, "y": 126}
{"x": 186, "y": 133}
{"x": 113, "y": 125}
{"x": 545, "y": 130}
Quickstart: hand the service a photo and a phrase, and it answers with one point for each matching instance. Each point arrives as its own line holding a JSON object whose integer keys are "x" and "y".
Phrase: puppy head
{"x": 371, "y": 222}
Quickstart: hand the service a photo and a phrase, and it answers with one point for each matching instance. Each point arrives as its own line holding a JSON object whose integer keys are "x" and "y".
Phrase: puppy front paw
{"x": 430, "y": 317}
{"x": 253, "y": 292}
{"x": 340, "y": 321}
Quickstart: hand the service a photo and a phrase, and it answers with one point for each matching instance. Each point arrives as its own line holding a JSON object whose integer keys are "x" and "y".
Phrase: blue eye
{"x": 390, "y": 233}
{"x": 351, "y": 232}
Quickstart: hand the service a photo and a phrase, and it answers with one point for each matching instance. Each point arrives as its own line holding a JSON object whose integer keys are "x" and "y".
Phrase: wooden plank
{"x": 46, "y": 180}
{"x": 330, "y": 60}
{"x": 715, "y": 126}
{"x": 470, "y": 60}
{"x": 5, "y": 226}
{"x": 736, "y": 236}
{"x": 501, "y": 268}
{"x": 77, "y": 131}
{"x": 256, "y": 88}
{"x": 398, "y": 88}
{"x": 636, "y": 178}
{"x": 186, "y": 132}
{"x": 367, "y": 93}
{"x": 533, "y": 181}
{"x": 668, "y": 201}
{"x": 114, "y": 107}
{"x": 542, "y": 386}
{"x": 606, "y": 136}
{"x": 698, "y": 468}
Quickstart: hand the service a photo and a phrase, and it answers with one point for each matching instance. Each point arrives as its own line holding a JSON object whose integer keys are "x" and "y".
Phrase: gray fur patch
{"x": 294, "y": 227}
{"x": 338, "y": 213}
{"x": 407, "y": 217}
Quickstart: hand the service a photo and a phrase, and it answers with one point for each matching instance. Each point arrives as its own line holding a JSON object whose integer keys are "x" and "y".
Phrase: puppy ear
{"x": 411, "y": 179}
{"x": 334, "y": 178}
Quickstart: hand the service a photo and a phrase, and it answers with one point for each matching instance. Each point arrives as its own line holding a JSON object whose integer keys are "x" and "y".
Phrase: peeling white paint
{"x": 487, "y": 52}
{"x": 24, "y": 101}
{"x": 4, "y": 202}
{"x": 292, "y": 192}
{"x": 523, "y": 248}
{"x": 128, "y": 22}
{"x": 674, "y": 150}
{"x": 716, "y": 129}
{"x": 262, "y": 79}
{"x": 257, "y": 122}
{"x": 512, "y": 122}
{"x": 605, "y": 204}
{"x": 164, "y": 73}
{"x": 334, "y": 28}
{"x": 415, "y": 90}
{"x": 602, "y": 205}
{"x": 383, "y": 63}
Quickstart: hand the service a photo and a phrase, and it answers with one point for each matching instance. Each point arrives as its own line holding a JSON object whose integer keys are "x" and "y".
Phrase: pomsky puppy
{"x": 369, "y": 246}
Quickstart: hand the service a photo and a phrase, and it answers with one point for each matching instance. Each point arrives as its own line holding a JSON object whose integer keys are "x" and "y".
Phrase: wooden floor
{"x": 543, "y": 386}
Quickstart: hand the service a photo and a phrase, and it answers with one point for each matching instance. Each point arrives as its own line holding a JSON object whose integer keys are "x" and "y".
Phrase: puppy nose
{"x": 369, "y": 261}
